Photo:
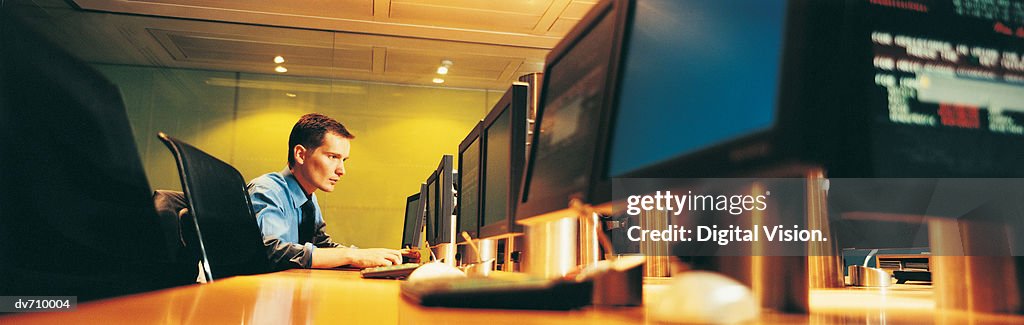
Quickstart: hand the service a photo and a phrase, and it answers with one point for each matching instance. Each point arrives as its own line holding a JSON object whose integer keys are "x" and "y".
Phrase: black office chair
{"x": 230, "y": 241}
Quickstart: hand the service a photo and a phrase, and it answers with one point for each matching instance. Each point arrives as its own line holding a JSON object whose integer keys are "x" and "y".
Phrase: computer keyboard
{"x": 545, "y": 294}
{"x": 400, "y": 271}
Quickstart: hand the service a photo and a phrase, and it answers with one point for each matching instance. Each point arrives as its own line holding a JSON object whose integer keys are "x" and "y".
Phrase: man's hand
{"x": 412, "y": 254}
{"x": 361, "y": 258}
{"x": 372, "y": 257}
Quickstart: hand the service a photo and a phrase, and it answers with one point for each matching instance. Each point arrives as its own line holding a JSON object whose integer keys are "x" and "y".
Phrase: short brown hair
{"x": 309, "y": 132}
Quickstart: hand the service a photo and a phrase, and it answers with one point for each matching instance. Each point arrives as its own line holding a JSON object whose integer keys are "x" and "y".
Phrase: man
{"x": 287, "y": 209}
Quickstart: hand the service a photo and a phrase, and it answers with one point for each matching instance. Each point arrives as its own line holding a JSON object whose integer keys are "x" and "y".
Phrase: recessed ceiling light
{"x": 438, "y": 80}
{"x": 281, "y": 69}
{"x": 443, "y": 69}
{"x": 278, "y": 59}
{"x": 291, "y": 95}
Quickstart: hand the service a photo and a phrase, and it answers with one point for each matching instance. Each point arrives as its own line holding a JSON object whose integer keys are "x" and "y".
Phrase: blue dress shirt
{"x": 277, "y": 201}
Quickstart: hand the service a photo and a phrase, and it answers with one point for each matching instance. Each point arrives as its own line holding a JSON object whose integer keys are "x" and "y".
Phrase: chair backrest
{"x": 230, "y": 240}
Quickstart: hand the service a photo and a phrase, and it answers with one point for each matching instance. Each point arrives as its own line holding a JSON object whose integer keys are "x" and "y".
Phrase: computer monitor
{"x": 469, "y": 185}
{"x": 676, "y": 98}
{"x": 939, "y": 87}
{"x": 504, "y": 134}
{"x": 441, "y": 202}
{"x": 76, "y": 210}
{"x": 429, "y": 210}
{"x": 938, "y": 91}
{"x": 564, "y": 140}
{"x": 676, "y": 109}
{"x": 659, "y": 88}
{"x": 413, "y": 225}
{"x": 422, "y": 213}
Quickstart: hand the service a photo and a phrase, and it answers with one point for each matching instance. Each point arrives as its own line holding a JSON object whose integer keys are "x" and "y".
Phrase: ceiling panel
{"x": 465, "y": 66}
{"x": 457, "y": 20}
{"x": 577, "y": 9}
{"x": 563, "y": 25}
{"x": 323, "y": 8}
{"x": 214, "y": 48}
{"x": 465, "y": 17}
{"x": 381, "y": 41}
{"x": 530, "y": 7}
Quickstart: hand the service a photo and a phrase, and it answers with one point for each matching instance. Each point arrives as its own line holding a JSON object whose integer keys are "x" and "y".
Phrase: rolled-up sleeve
{"x": 282, "y": 251}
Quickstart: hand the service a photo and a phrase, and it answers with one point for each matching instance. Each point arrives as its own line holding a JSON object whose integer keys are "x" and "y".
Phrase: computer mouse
{"x": 705, "y": 297}
{"x": 433, "y": 271}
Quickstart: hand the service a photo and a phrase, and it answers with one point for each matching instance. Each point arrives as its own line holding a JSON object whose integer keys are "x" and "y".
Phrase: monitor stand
{"x": 551, "y": 242}
{"x": 484, "y": 262}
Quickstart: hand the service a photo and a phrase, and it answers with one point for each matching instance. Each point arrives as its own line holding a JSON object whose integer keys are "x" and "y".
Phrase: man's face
{"x": 322, "y": 167}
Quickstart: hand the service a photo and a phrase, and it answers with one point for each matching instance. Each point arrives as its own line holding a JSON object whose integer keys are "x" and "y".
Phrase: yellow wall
{"x": 401, "y": 133}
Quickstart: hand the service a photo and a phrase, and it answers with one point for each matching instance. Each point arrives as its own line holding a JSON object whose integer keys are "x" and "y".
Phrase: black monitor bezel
{"x": 430, "y": 217}
{"x": 421, "y": 220}
{"x": 516, "y": 102}
{"x": 474, "y": 135}
{"x": 527, "y": 208}
{"x": 444, "y": 174}
{"x": 405, "y": 226}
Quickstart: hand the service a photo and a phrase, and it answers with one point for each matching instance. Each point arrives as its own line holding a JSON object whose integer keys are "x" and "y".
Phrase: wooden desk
{"x": 326, "y": 296}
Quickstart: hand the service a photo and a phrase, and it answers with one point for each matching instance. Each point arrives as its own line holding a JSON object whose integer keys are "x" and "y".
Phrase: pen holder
{"x": 479, "y": 269}
{"x": 862, "y": 276}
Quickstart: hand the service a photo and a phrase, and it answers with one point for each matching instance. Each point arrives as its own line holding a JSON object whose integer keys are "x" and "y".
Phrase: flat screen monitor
{"x": 576, "y": 75}
{"x": 504, "y": 134}
{"x": 430, "y": 209}
{"x": 701, "y": 89}
{"x": 693, "y": 81}
{"x": 413, "y": 226}
{"x": 441, "y": 204}
{"x": 469, "y": 185}
{"x": 938, "y": 89}
{"x": 941, "y": 85}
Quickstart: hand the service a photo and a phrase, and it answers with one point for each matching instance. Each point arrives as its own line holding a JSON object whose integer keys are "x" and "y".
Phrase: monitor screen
{"x": 410, "y": 235}
{"x": 943, "y": 84}
{"x": 469, "y": 186}
{"x": 496, "y": 169}
{"x": 689, "y": 82}
{"x": 564, "y": 138}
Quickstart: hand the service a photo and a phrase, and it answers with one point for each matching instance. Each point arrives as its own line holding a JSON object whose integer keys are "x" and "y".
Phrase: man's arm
{"x": 357, "y": 257}
{"x": 322, "y": 239}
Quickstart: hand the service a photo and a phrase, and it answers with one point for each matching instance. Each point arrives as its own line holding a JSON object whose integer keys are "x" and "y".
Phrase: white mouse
{"x": 705, "y": 297}
{"x": 436, "y": 270}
